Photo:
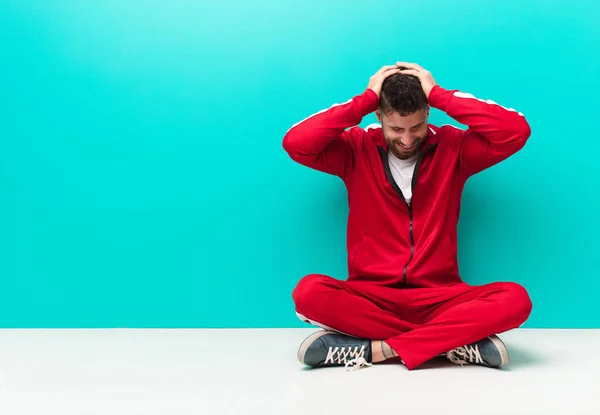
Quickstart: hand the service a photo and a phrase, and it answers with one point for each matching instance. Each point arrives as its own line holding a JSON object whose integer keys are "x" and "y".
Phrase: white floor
{"x": 256, "y": 372}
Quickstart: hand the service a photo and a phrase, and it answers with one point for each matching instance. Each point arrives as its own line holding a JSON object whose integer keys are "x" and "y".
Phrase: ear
{"x": 378, "y": 115}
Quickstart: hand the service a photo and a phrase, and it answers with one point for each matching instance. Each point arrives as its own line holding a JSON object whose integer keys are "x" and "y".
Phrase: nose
{"x": 407, "y": 140}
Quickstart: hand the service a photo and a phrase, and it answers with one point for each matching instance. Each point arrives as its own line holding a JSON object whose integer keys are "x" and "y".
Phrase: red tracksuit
{"x": 404, "y": 285}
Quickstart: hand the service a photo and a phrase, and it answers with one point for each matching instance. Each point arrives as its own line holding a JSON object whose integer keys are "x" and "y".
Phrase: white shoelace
{"x": 357, "y": 363}
{"x": 464, "y": 355}
{"x": 353, "y": 358}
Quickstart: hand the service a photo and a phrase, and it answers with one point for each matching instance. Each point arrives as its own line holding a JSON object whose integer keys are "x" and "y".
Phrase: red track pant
{"x": 418, "y": 323}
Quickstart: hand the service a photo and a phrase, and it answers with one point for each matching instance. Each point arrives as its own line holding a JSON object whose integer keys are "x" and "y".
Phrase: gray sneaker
{"x": 328, "y": 348}
{"x": 490, "y": 352}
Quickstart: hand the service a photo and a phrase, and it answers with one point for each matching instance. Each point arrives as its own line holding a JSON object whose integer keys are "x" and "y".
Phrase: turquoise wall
{"x": 143, "y": 182}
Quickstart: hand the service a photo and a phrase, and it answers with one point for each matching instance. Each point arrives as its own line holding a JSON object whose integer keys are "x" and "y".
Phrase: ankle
{"x": 388, "y": 352}
{"x": 381, "y": 351}
{"x": 376, "y": 351}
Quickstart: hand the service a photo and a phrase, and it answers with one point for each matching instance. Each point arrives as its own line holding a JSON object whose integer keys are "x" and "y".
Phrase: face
{"x": 404, "y": 135}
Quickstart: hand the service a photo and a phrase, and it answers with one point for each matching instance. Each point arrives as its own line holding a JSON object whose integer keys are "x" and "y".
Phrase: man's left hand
{"x": 427, "y": 81}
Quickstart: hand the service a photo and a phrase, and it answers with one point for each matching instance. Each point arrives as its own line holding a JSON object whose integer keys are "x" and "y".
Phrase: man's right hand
{"x": 376, "y": 81}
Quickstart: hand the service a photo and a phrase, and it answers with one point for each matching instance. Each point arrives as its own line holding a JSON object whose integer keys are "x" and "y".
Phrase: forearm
{"x": 488, "y": 119}
{"x": 313, "y": 134}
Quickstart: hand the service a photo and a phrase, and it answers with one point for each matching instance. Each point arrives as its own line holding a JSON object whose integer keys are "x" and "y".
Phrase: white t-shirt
{"x": 402, "y": 171}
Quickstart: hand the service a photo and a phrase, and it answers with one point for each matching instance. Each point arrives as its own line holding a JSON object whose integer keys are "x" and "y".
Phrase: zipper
{"x": 412, "y": 241}
{"x": 413, "y": 183}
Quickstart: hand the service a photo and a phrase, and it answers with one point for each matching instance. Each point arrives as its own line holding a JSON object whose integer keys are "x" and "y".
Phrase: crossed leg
{"x": 417, "y": 323}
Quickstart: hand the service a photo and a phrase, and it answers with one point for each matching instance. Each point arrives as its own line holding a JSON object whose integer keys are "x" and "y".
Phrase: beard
{"x": 402, "y": 153}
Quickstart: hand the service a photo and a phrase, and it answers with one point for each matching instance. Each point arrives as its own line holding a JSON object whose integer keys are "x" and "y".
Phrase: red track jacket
{"x": 389, "y": 241}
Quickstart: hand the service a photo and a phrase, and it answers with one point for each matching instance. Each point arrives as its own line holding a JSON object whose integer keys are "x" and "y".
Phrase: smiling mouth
{"x": 407, "y": 147}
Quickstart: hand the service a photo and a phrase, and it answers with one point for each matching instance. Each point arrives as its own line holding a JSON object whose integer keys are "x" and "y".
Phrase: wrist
{"x": 430, "y": 90}
{"x": 438, "y": 97}
{"x": 372, "y": 100}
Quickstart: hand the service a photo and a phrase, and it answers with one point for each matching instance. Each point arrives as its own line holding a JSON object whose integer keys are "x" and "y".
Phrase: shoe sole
{"x": 307, "y": 342}
{"x": 501, "y": 348}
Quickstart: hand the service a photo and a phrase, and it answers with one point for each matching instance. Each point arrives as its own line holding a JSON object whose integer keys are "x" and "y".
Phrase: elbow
{"x": 288, "y": 143}
{"x": 523, "y": 132}
{"x": 291, "y": 142}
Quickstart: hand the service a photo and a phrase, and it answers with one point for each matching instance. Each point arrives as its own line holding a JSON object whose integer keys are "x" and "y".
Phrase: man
{"x": 404, "y": 297}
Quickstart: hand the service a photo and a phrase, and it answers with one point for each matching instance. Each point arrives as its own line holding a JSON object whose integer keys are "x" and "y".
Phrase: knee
{"x": 516, "y": 302}
{"x": 309, "y": 289}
